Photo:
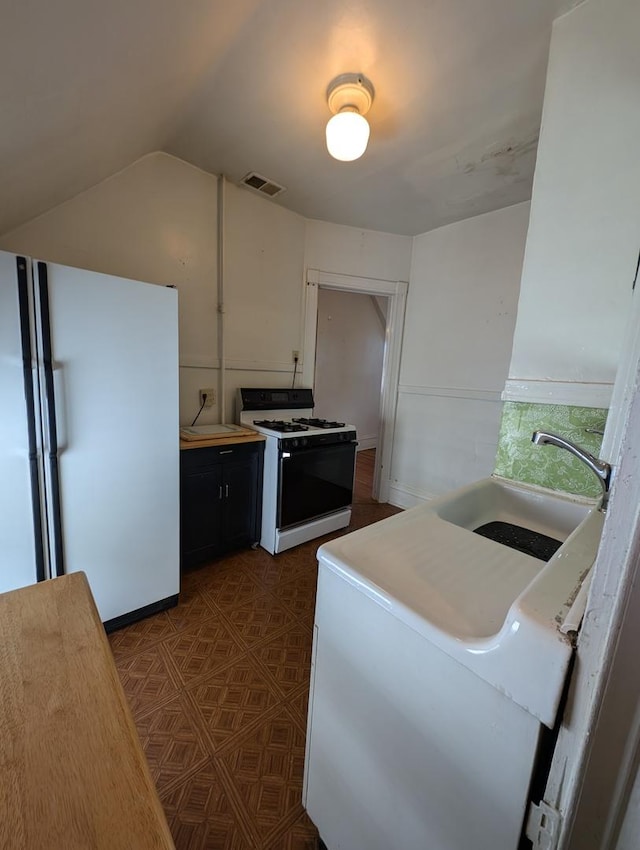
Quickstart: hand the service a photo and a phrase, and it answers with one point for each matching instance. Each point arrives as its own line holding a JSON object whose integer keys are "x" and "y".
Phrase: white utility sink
{"x": 496, "y": 610}
{"x": 494, "y": 499}
{"x": 438, "y": 655}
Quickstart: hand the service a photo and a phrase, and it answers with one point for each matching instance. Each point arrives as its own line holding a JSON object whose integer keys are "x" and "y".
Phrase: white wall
{"x": 461, "y": 312}
{"x": 157, "y": 221}
{"x": 349, "y": 354}
{"x": 583, "y": 238}
{"x": 351, "y": 251}
{"x": 264, "y": 284}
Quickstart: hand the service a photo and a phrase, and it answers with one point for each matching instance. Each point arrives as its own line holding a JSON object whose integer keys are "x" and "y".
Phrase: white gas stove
{"x": 309, "y": 466}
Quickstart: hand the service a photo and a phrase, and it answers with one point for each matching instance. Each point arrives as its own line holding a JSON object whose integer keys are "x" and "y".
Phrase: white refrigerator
{"x": 89, "y": 452}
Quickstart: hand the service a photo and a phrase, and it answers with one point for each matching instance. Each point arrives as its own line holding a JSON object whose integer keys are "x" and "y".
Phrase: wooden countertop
{"x": 222, "y": 441}
{"x": 73, "y": 773}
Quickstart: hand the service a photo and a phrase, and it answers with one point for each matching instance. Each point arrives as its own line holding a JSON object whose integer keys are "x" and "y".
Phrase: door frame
{"x": 396, "y": 292}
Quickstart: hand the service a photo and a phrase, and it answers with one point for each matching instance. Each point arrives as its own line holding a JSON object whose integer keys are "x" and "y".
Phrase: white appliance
{"x": 437, "y": 673}
{"x": 309, "y": 466}
{"x": 89, "y": 452}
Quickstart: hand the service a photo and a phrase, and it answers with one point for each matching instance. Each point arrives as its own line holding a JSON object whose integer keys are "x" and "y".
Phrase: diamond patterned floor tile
{"x": 202, "y": 650}
{"x": 299, "y": 594}
{"x": 299, "y": 706}
{"x": 260, "y": 619}
{"x": 219, "y": 690}
{"x": 266, "y": 767}
{"x": 306, "y": 620}
{"x": 148, "y": 680}
{"x": 172, "y": 742}
{"x": 302, "y": 835}
{"x": 201, "y": 817}
{"x": 192, "y": 609}
{"x": 288, "y": 658}
{"x": 232, "y": 699}
{"x": 229, "y": 589}
{"x": 273, "y": 570}
{"x": 141, "y": 635}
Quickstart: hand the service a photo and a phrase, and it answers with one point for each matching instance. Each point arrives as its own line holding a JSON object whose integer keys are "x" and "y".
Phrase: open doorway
{"x": 350, "y": 341}
{"x": 385, "y": 305}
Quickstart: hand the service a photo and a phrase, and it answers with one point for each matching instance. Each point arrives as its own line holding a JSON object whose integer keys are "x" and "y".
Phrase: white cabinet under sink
{"x": 407, "y": 749}
{"x": 434, "y": 674}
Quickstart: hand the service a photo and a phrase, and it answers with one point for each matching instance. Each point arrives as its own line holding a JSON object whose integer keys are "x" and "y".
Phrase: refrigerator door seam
{"x": 50, "y": 410}
{"x": 27, "y": 370}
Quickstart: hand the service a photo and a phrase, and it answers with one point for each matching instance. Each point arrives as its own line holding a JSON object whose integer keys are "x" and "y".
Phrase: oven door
{"x": 313, "y": 482}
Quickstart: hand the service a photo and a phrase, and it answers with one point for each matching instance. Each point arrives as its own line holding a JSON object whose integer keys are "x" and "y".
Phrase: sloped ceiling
{"x": 87, "y": 87}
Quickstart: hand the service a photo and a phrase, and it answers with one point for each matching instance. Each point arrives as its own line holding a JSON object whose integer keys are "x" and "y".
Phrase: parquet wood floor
{"x": 219, "y": 688}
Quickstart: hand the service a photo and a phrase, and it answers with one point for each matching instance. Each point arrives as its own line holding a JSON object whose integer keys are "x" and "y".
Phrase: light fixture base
{"x": 350, "y": 92}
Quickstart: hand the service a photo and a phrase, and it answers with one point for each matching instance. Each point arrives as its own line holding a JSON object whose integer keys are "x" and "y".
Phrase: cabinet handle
{"x": 226, "y": 491}
{"x": 220, "y": 491}
{"x": 227, "y": 452}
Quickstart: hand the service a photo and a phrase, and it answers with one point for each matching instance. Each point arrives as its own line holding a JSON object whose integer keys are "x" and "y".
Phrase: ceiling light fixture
{"x": 349, "y": 97}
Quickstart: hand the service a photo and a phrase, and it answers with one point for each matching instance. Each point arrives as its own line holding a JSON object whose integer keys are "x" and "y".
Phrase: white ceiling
{"x": 87, "y": 87}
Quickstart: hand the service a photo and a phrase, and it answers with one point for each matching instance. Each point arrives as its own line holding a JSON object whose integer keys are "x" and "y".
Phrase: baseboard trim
{"x": 365, "y": 443}
{"x": 140, "y": 613}
{"x": 402, "y": 496}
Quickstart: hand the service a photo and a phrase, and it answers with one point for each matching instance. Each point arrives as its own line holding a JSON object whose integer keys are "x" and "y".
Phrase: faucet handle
{"x": 594, "y": 431}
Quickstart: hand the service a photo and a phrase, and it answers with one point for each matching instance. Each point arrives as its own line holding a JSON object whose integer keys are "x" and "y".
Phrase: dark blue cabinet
{"x": 220, "y": 499}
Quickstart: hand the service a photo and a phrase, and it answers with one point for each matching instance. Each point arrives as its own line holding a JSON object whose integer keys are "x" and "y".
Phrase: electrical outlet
{"x": 210, "y": 394}
{"x": 295, "y": 355}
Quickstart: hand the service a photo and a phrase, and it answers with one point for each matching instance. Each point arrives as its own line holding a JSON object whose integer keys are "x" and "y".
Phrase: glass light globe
{"x": 347, "y": 136}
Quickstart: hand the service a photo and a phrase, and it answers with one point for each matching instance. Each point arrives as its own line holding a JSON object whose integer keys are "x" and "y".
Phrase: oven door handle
{"x": 320, "y": 447}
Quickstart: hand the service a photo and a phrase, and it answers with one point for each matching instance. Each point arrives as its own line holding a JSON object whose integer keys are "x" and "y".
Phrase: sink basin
{"x": 520, "y": 538}
{"x": 496, "y": 499}
{"x": 496, "y": 610}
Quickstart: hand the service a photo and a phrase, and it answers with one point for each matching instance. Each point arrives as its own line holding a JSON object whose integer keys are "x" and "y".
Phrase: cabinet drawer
{"x": 195, "y": 459}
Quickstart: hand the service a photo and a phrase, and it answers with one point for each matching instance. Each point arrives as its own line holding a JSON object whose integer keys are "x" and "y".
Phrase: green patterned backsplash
{"x": 549, "y": 466}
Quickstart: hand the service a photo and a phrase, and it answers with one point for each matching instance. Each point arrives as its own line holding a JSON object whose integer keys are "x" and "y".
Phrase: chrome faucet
{"x": 600, "y": 467}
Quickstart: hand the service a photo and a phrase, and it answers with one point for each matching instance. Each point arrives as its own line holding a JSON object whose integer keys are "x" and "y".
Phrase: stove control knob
{"x": 294, "y": 443}
{"x": 304, "y": 441}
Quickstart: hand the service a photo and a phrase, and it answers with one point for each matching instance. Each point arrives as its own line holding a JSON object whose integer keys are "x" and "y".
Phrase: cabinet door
{"x": 201, "y": 514}
{"x": 240, "y": 485}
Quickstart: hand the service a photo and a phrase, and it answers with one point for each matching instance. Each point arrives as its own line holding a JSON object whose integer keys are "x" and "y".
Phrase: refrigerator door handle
{"x": 50, "y": 417}
{"x": 60, "y": 408}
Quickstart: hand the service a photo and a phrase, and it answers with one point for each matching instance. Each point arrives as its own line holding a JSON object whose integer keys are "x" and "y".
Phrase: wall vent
{"x": 261, "y": 184}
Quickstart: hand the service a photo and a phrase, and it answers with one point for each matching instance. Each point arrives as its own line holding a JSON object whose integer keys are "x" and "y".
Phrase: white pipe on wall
{"x": 220, "y": 276}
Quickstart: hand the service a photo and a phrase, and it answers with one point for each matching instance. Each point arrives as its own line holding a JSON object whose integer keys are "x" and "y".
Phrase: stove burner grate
{"x": 280, "y": 425}
{"x": 319, "y": 423}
